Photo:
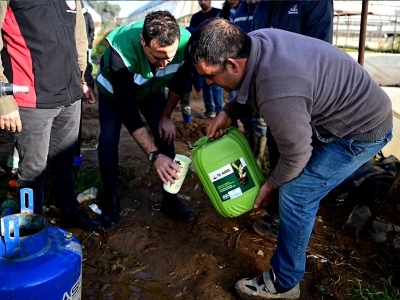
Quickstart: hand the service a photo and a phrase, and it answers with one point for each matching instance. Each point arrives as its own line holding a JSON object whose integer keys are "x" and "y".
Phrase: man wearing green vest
{"x": 142, "y": 57}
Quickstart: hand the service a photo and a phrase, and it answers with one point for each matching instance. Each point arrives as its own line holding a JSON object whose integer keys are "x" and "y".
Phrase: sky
{"x": 128, "y": 7}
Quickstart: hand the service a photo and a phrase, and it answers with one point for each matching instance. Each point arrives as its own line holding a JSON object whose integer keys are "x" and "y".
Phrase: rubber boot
{"x": 111, "y": 212}
{"x": 186, "y": 114}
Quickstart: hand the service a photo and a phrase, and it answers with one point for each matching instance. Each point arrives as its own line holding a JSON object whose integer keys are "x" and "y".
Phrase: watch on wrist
{"x": 153, "y": 155}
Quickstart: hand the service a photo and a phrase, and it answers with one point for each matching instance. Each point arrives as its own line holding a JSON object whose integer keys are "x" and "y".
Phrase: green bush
{"x": 99, "y": 46}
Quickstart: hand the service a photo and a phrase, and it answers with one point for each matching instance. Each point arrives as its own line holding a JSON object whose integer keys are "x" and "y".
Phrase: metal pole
{"x": 363, "y": 30}
{"x": 394, "y": 34}
{"x": 337, "y": 28}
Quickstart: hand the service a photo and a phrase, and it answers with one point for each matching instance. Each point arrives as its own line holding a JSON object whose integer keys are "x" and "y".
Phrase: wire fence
{"x": 382, "y": 32}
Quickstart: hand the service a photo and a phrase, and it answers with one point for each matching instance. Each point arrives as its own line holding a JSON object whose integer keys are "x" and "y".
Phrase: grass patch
{"x": 87, "y": 179}
{"x": 127, "y": 178}
{"x": 358, "y": 290}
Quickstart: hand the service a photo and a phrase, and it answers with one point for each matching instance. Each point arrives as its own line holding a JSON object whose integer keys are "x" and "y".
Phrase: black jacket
{"x": 89, "y": 29}
{"x": 310, "y": 18}
{"x": 40, "y": 51}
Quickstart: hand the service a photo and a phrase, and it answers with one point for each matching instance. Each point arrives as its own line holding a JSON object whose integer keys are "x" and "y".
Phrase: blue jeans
{"x": 299, "y": 199}
{"x": 110, "y": 128}
{"x": 232, "y": 94}
{"x": 212, "y": 96}
{"x": 49, "y": 135}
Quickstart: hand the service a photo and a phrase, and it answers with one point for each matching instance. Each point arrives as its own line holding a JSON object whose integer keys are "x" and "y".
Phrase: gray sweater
{"x": 299, "y": 84}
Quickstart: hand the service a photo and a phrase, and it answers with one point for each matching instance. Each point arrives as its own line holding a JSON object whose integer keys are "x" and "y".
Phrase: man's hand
{"x": 166, "y": 168}
{"x": 265, "y": 196}
{"x": 166, "y": 129}
{"x": 11, "y": 122}
{"x": 218, "y": 126}
{"x": 90, "y": 97}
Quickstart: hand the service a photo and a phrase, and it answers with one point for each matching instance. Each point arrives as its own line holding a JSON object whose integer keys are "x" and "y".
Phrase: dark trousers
{"x": 49, "y": 136}
{"x": 110, "y": 128}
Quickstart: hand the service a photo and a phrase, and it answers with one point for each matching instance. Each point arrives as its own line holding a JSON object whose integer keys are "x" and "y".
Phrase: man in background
{"x": 90, "y": 38}
{"x": 213, "y": 95}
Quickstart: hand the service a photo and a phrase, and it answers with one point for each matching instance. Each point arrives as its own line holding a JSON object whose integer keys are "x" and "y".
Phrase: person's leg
{"x": 260, "y": 131}
{"x": 62, "y": 147}
{"x": 207, "y": 98}
{"x": 299, "y": 199}
{"x": 185, "y": 108}
{"x": 232, "y": 95}
{"x": 32, "y": 144}
{"x": 110, "y": 129}
{"x": 218, "y": 97}
{"x": 248, "y": 130}
{"x": 152, "y": 109}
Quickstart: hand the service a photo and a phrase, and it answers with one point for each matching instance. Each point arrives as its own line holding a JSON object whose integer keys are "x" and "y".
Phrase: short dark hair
{"x": 216, "y": 40}
{"x": 162, "y": 27}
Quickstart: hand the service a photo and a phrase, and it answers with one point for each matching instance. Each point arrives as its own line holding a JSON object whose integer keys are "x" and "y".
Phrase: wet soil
{"x": 153, "y": 257}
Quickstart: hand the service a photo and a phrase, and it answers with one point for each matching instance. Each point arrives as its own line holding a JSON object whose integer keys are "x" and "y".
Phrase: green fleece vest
{"x": 126, "y": 41}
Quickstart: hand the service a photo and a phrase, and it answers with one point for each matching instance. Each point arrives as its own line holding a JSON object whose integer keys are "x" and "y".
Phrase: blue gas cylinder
{"x": 38, "y": 261}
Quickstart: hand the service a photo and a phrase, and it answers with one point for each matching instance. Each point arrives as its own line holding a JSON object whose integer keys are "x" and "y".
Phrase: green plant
{"x": 100, "y": 45}
{"x": 127, "y": 178}
{"x": 358, "y": 290}
{"x": 87, "y": 179}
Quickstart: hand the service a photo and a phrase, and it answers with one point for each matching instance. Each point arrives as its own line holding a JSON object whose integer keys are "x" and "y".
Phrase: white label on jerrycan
{"x": 232, "y": 180}
{"x": 183, "y": 164}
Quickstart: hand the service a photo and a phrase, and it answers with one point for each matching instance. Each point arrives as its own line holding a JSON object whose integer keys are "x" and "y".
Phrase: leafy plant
{"x": 99, "y": 46}
{"x": 358, "y": 290}
{"x": 87, "y": 179}
{"x": 127, "y": 178}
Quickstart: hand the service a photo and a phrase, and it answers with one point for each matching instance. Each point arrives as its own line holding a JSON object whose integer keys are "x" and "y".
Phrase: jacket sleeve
{"x": 125, "y": 93}
{"x": 318, "y": 20}
{"x": 7, "y": 103}
{"x": 81, "y": 38}
{"x": 90, "y": 34}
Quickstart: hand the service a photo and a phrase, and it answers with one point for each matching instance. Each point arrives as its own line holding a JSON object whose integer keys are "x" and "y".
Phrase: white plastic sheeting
{"x": 383, "y": 67}
{"x": 393, "y": 148}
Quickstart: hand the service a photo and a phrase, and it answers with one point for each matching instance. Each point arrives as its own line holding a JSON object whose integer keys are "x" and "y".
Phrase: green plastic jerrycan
{"x": 228, "y": 171}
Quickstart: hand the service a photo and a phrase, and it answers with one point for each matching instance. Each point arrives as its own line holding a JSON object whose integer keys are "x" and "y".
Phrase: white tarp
{"x": 383, "y": 67}
{"x": 393, "y": 148}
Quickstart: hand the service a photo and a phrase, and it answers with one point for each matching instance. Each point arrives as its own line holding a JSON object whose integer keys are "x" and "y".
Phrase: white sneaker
{"x": 262, "y": 287}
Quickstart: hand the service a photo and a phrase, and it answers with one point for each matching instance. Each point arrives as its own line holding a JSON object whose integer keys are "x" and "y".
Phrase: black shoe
{"x": 79, "y": 219}
{"x": 174, "y": 209}
{"x": 112, "y": 208}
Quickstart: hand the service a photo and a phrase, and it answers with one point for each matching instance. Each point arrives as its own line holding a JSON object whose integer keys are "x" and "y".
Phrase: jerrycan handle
{"x": 10, "y": 232}
{"x": 201, "y": 142}
{"x": 26, "y": 197}
{"x": 206, "y": 140}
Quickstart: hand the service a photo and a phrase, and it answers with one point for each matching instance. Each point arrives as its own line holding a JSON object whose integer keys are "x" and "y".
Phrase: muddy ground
{"x": 154, "y": 257}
